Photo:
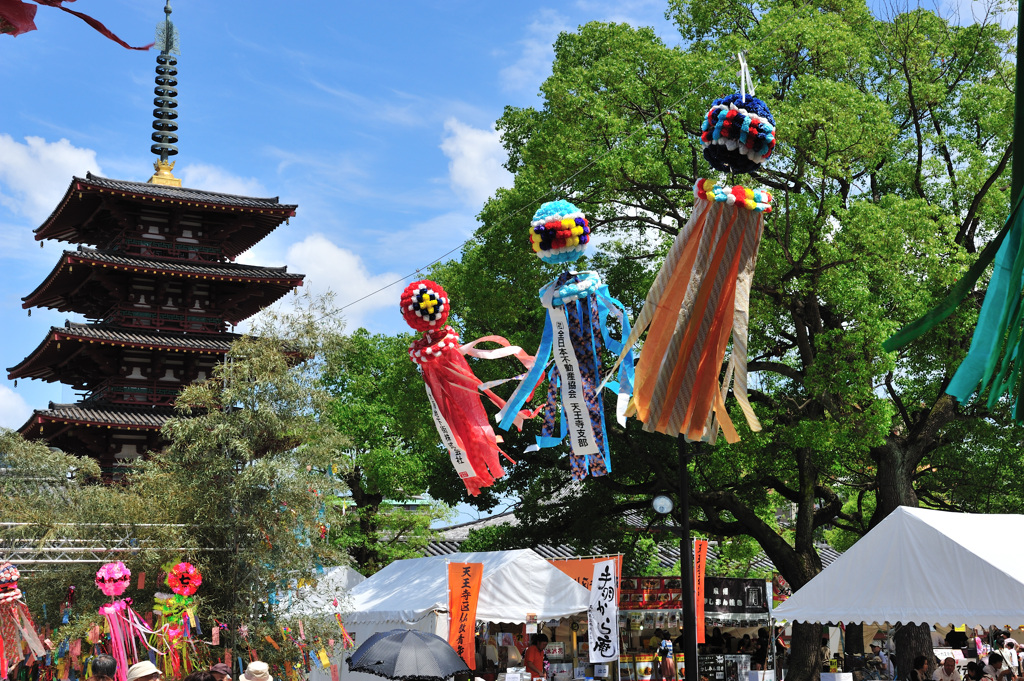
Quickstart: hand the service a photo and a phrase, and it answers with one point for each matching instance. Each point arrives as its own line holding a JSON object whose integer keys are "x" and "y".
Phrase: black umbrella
{"x": 407, "y": 655}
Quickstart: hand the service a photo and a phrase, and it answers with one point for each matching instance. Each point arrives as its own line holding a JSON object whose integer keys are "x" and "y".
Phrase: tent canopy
{"x": 514, "y": 584}
{"x": 924, "y": 567}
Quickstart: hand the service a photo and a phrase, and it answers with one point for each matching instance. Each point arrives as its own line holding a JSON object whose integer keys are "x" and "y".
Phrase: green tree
{"x": 886, "y": 179}
{"x": 393, "y": 451}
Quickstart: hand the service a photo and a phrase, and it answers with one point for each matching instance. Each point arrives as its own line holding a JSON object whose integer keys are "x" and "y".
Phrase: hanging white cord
{"x": 744, "y": 76}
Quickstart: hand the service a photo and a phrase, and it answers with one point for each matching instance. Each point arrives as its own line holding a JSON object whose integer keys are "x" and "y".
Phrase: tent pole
{"x": 686, "y": 565}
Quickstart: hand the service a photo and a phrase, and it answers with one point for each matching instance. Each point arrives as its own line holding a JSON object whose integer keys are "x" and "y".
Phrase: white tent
{"x": 413, "y": 594}
{"x": 334, "y": 584}
{"x": 925, "y": 567}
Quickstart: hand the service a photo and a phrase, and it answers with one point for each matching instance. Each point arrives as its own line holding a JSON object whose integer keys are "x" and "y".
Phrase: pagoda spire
{"x": 166, "y": 102}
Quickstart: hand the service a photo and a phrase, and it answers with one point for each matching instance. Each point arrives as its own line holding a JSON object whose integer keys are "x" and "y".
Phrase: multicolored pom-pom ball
{"x": 9, "y": 591}
{"x": 112, "y": 578}
{"x": 184, "y": 579}
{"x": 425, "y": 305}
{"x": 738, "y": 133}
{"x": 559, "y": 232}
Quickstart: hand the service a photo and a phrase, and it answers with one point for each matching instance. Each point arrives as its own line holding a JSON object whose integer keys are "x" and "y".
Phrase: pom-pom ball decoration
{"x": 184, "y": 579}
{"x": 453, "y": 390}
{"x": 17, "y": 631}
{"x": 576, "y": 332}
{"x": 738, "y": 133}
{"x": 112, "y": 579}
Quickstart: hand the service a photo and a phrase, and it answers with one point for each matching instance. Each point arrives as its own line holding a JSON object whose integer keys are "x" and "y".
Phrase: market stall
{"x": 516, "y": 588}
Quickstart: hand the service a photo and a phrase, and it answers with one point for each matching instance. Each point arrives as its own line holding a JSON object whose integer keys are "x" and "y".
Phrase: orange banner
{"x": 700, "y": 559}
{"x": 463, "y": 594}
{"x": 582, "y": 569}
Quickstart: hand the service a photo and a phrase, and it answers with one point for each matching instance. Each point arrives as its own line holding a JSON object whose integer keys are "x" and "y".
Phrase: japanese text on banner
{"x": 581, "y": 430}
{"x": 457, "y": 454}
{"x": 463, "y": 594}
{"x": 700, "y": 559}
{"x": 603, "y": 615}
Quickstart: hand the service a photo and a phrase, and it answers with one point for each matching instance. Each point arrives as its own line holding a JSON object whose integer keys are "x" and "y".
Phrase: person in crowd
{"x": 974, "y": 671}
{"x": 745, "y": 646}
{"x": 144, "y": 671}
{"x": 826, "y": 652}
{"x": 717, "y": 642}
{"x": 759, "y": 660}
{"x": 668, "y": 667}
{"x": 996, "y": 669}
{"x": 887, "y": 666}
{"x": 873, "y": 668}
{"x": 104, "y": 668}
{"x": 920, "y": 669}
{"x": 221, "y": 672}
{"x": 781, "y": 648}
{"x": 257, "y": 670}
{"x": 202, "y": 675}
{"x": 1009, "y": 654}
{"x": 534, "y": 657}
{"x": 946, "y": 671}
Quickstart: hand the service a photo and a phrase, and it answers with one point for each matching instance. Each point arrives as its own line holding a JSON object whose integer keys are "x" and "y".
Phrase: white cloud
{"x": 328, "y": 266}
{"x": 216, "y": 179}
{"x": 534, "y": 63}
{"x": 13, "y": 410}
{"x": 35, "y": 175}
{"x": 475, "y": 158}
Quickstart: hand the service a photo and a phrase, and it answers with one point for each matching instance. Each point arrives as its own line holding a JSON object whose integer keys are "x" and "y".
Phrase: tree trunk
{"x": 912, "y": 640}
{"x": 894, "y": 479}
{"x": 854, "y": 639}
{"x": 804, "y": 653}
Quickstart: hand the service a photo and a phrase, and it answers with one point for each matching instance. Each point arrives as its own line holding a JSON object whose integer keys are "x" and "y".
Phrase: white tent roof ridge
{"x": 922, "y": 566}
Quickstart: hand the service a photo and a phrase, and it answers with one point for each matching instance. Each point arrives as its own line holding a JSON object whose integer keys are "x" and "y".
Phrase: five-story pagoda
{"x": 153, "y": 275}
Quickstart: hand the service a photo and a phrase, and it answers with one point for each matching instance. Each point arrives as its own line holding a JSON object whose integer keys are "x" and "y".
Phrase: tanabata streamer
{"x": 17, "y": 630}
{"x": 453, "y": 389}
{"x": 576, "y": 332}
{"x": 701, "y": 294}
{"x": 123, "y": 623}
{"x": 176, "y": 613}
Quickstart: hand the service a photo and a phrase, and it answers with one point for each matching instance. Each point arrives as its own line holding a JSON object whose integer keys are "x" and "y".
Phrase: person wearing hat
{"x": 144, "y": 671}
{"x": 221, "y": 672}
{"x": 887, "y": 667}
{"x": 256, "y": 671}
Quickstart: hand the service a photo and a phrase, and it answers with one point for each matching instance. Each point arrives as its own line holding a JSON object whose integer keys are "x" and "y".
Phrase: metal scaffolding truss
{"x": 68, "y": 543}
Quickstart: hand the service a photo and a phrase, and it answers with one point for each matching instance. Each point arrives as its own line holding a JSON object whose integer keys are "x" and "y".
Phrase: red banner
{"x": 582, "y": 569}
{"x": 700, "y": 559}
{"x": 463, "y": 594}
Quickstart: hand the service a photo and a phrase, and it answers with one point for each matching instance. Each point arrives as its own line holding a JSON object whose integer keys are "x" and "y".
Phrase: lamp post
{"x": 663, "y": 504}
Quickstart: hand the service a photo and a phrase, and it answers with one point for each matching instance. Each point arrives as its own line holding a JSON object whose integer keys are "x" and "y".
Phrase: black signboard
{"x": 711, "y": 667}
{"x": 723, "y": 595}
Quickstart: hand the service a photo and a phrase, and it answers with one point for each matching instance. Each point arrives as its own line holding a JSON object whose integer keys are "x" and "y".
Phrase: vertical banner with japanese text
{"x": 582, "y": 569}
{"x": 700, "y": 560}
{"x": 463, "y": 594}
{"x": 603, "y": 614}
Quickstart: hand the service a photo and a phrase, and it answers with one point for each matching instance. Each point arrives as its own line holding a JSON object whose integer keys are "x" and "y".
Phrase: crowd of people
{"x": 104, "y": 668}
{"x": 1002, "y": 661}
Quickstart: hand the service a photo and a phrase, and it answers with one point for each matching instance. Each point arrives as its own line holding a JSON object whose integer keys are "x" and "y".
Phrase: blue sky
{"x": 376, "y": 118}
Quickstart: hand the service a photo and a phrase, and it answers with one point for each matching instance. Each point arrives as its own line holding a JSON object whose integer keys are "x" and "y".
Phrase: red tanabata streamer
{"x": 17, "y": 17}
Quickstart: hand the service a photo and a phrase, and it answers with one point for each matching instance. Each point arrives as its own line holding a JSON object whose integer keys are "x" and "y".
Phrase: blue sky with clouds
{"x": 376, "y": 118}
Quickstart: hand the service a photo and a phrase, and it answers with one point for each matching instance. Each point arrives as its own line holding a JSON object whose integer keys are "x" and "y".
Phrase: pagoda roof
{"x": 86, "y": 197}
{"x": 85, "y": 413}
{"x": 62, "y": 346}
{"x": 63, "y": 281}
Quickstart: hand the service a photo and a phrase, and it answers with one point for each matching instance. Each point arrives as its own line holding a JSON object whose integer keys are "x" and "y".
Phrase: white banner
{"x": 603, "y": 615}
{"x": 581, "y": 430}
{"x": 458, "y": 456}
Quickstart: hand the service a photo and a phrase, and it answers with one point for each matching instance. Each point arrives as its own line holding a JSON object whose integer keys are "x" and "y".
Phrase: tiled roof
{"x": 183, "y": 193}
{"x": 197, "y": 267}
{"x": 105, "y": 415}
{"x": 113, "y": 334}
{"x": 668, "y": 552}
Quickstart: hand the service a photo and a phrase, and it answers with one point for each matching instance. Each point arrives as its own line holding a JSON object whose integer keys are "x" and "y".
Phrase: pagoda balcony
{"x": 130, "y": 392}
{"x": 196, "y": 321}
{"x": 204, "y": 249}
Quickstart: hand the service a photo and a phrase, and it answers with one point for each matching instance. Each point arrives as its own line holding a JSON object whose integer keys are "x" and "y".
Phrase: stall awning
{"x": 515, "y": 584}
{"x": 925, "y": 567}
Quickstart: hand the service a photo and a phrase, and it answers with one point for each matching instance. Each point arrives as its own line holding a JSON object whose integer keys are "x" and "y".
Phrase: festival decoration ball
{"x": 184, "y": 579}
{"x": 425, "y": 305}
{"x": 112, "y": 578}
{"x": 9, "y": 590}
{"x": 738, "y": 133}
{"x": 559, "y": 232}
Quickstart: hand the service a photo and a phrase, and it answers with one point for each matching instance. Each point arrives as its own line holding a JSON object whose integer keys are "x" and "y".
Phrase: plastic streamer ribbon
{"x": 453, "y": 390}
{"x": 993, "y": 362}
{"x": 699, "y": 298}
{"x": 576, "y": 332}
